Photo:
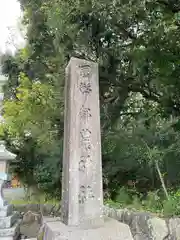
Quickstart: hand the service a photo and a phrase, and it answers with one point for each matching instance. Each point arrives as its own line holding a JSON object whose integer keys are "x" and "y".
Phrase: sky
{"x": 9, "y": 15}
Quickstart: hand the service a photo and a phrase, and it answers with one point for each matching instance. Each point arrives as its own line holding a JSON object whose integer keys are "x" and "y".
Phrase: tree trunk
{"x": 161, "y": 179}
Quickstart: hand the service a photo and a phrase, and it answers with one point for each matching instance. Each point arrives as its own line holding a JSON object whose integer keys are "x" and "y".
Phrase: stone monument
{"x": 82, "y": 194}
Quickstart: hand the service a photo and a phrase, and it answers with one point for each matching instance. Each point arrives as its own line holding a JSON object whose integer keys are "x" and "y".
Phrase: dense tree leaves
{"x": 33, "y": 133}
{"x": 136, "y": 44}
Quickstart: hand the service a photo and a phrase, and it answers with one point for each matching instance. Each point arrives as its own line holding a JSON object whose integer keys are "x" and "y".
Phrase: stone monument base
{"x": 10, "y": 233}
{"x": 111, "y": 230}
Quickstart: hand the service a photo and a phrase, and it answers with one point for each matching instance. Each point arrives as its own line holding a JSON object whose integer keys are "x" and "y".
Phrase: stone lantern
{"x": 5, "y": 158}
{"x": 9, "y": 220}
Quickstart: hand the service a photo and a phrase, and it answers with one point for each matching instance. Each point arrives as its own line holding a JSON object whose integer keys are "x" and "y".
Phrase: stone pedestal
{"x": 110, "y": 230}
{"x": 9, "y": 223}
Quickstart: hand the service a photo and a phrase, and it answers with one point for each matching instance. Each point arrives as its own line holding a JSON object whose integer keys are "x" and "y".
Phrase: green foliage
{"x": 172, "y": 205}
{"x": 123, "y": 196}
{"x": 32, "y": 132}
{"x": 152, "y": 202}
{"x": 136, "y": 44}
{"x": 32, "y": 99}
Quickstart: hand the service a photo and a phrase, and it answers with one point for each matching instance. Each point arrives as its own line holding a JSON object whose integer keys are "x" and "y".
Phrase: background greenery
{"x": 136, "y": 44}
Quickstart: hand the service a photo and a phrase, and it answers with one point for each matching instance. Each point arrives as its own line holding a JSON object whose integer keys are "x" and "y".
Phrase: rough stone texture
{"x": 158, "y": 228}
{"x": 29, "y": 230}
{"x": 174, "y": 228}
{"x": 141, "y": 227}
{"x": 30, "y": 224}
{"x": 146, "y": 226}
{"x": 7, "y": 222}
{"x": 30, "y": 217}
{"x": 111, "y": 230}
{"x": 82, "y": 196}
{"x": 6, "y": 210}
{"x": 10, "y": 233}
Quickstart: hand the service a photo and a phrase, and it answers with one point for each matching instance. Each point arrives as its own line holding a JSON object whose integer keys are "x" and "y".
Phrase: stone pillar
{"x": 82, "y": 195}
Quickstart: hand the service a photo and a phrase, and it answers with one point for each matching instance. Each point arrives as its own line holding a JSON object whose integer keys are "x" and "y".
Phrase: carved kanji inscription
{"x": 85, "y": 113}
{"x": 84, "y": 162}
{"x": 85, "y": 71}
{"x": 85, "y": 194}
{"x": 82, "y": 194}
{"x": 85, "y": 88}
{"x": 85, "y": 139}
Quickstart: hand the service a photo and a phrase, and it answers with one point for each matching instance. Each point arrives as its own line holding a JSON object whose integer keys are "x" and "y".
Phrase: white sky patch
{"x": 10, "y": 35}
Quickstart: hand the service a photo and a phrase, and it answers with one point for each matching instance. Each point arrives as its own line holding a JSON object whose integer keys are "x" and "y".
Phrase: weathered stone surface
{"x": 146, "y": 226}
{"x": 111, "y": 230}
{"x": 6, "y": 210}
{"x": 31, "y": 217}
{"x": 10, "y": 233}
{"x": 30, "y": 230}
{"x": 141, "y": 227}
{"x": 174, "y": 228}
{"x": 8, "y": 222}
{"x": 82, "y": 196}
{"x": 12, "y": 237}
{"x": 158, "y": 228}
{"x": 138, "y": 224}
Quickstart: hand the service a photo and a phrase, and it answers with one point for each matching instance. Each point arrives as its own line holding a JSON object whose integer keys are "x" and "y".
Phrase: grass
{"x": 153, "y": 202}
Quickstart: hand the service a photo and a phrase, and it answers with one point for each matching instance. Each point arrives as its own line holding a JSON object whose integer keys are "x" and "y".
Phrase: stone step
{"x": 10, "y": 233}
{"x": 8, "y": 222}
